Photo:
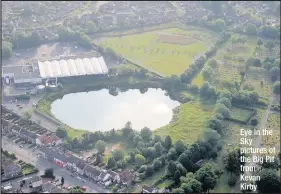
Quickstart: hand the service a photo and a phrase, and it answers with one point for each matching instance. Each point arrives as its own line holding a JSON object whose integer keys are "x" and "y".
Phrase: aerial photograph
{"x": 140, "y": 97}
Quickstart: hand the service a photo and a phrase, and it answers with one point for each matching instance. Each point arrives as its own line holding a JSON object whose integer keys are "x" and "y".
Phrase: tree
{"x": 171, "y": 168}
{"x": 139, "y": 160}
{"x": 190, "y": 184}
{"x": 225, "y": 101}
{"x": 269, "y": 181}
{"x": 127, "y": 129}
{"x": 225, "y": 94}
{"x": 151, "y": 153}
{"x": 27, "y": 115}
{"x": 213, "y": 63}
{"x": 207, "y": 73}
{"x": 186, "y": 160}
{"x": 186, "y": 187}
{"x": 61, "y": 132}
{"x": 177, "y": 176}
{"x": 269, "y": 32}
{"x": 157, "y": 164}
{"x": 91, "y": 27}
{"x": 232, "y": 179}
{"x": 223, "y": 110}
{"x": 207, "y": 177}
{"x": 172, "y": 154}
{"x": 132, "y": 157}
{"x": 158, "y": 148}
{"x": 274, "y": 73}
{"x": 181, "y": 168}
{"x": 168, "y": 142}
{"x": 149, "y": 170}
{"x": 62, "y": 180}
{"x": 276, "y": 87}
{"x": 178, "y": 190}
{"x": 253, "y": 98}
{"x": 259, "y": 43}
{"x": 215, "y": 124}
{"x": 253, "y": 62}
{"x": 220, "y": 24}
{"x": 271, "y": 165}
{"x": 99, "y": 159}
{"x": 118, "y": 155}
{"x": 207, "y": 91}
{"x": 121, "y": 164}
{"x": 49, "y": 173}
{"x": 179, "y": 147}
{"x": 6, "y": 49}
{"x": 142, "y": 169}
{"x": 111, "y": 162}
{"x": 100, "y": 146}
{"x": 270, "y": 45}
{"x": 254, "y": 122}
{"x": 232, "y": 162}
{"x": 146, "y": 134}
{"x": 250, "y": 29}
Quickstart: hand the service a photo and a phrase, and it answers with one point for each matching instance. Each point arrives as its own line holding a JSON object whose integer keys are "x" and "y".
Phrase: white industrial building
{"x": 36, "y": 73}
{"x": 68, "y": 68}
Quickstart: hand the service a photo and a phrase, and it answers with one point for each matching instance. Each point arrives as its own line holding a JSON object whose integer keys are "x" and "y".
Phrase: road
{"x": 27, "y": 155}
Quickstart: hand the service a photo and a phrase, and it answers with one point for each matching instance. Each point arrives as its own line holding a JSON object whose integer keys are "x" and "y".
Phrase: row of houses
{"x": 11, "y": 124}
{"x": 73, "y": 163}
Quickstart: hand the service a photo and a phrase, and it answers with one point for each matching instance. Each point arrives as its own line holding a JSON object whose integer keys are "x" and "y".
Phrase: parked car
{"x": 84, "y": 181}
{"x": 78, "y": 178}
{"x": 21, "y": 146}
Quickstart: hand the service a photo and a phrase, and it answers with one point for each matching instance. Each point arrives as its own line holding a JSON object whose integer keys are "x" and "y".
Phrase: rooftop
{"x": 45, "y": 139}
{"x": 66, "y": 68}
{"x": 21, "y": 71}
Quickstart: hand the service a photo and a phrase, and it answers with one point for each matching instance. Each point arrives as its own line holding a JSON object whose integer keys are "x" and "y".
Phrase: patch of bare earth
{"x": 112, "y": 148}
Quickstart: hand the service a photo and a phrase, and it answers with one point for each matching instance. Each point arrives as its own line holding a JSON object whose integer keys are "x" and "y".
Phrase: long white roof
{"x": 76, "y": 67}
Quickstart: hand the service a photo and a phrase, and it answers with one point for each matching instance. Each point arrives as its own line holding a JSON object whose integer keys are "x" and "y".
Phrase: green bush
{"x": 232, "y": 179}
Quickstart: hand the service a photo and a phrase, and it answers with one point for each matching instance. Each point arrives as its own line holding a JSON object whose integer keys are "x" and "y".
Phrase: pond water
{"x": 98, "y": 110}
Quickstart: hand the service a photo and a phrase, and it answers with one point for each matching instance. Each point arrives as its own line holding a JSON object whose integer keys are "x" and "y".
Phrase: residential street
{"x": 27, "y": 155}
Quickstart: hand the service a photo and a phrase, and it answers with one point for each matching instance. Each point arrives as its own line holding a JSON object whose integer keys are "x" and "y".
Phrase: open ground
{"x": 168, "y": 52}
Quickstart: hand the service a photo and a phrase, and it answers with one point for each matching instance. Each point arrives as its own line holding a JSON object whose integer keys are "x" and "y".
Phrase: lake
{"x": 98, "y": 110}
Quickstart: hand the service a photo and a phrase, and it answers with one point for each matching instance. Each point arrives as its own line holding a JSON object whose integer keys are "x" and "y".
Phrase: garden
{"x": 27, "y": 168}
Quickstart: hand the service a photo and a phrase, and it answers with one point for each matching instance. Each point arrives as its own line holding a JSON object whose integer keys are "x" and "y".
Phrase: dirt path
{"x": 257, "y": 140}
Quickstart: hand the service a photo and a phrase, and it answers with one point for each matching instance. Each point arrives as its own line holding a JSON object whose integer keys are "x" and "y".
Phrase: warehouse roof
{"x": 66, "y": 68}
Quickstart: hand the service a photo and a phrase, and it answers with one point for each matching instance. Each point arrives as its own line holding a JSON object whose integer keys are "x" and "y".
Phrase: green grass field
{"x": 189, "y": 122}
{"x": 240, "y": 114}
{"x": 149, "y": 50}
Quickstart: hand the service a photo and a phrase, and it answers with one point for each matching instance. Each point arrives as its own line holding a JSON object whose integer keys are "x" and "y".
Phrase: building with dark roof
{"x": 22, "y": 74}
{"x": 92, "y": 172}
{"x": 28, "y": 135}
